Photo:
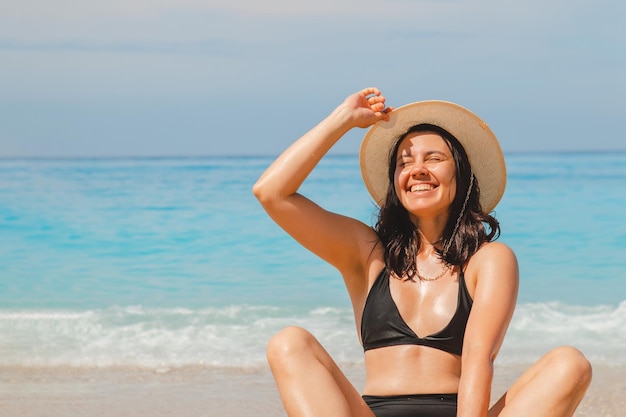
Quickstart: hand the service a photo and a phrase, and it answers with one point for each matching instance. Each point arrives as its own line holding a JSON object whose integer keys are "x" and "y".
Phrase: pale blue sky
{"x": 191, "y": 77}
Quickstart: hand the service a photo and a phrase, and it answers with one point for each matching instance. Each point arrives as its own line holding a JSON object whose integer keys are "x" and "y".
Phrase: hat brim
{"x": 480, "y": 144}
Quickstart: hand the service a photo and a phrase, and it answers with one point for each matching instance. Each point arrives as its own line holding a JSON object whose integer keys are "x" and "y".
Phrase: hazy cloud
{"x": 543, "y": 62}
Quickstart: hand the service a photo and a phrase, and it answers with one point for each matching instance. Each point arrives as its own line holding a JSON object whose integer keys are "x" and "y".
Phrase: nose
{"x": 418, "y": 170}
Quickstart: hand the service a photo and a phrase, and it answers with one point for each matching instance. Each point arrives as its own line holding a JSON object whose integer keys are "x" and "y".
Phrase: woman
{"x": 432, "y": 292}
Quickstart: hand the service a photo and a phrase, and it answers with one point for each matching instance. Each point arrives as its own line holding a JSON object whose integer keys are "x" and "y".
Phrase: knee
{"x": 571, "y": 366}
{"x": 287, "y": 344}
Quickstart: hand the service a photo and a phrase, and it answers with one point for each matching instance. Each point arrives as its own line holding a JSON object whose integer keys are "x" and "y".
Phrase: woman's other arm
{"x": 494, "y": 272}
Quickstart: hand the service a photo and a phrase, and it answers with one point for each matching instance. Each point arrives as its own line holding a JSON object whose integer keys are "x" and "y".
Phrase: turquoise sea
{"x": 171, "y": 262}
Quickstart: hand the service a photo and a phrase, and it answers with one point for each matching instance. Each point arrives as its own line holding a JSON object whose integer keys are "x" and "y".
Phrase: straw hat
{"x": 479, "y": 142}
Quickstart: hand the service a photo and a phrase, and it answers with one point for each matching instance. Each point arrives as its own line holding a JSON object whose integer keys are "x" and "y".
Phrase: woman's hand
{"x": 366, "y": 107}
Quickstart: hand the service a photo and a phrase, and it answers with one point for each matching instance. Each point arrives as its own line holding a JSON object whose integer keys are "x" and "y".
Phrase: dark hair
{"x": 400, "y": 237}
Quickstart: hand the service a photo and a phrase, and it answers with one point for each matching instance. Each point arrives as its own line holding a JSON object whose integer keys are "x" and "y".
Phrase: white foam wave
{"x": 236, "y": 336}
{"x": 599, "y": 331}
{"x": 135, "y": 336}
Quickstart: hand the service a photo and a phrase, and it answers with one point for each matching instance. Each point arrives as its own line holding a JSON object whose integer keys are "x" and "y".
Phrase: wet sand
{"x": 211, "y": 392}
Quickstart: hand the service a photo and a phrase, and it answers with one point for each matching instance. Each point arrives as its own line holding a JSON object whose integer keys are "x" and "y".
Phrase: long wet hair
{"x": 467, "y": 228}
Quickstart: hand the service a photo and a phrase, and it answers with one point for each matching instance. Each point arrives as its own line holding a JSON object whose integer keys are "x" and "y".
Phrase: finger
{"x": 375, "y": 100}
{"x": 370, "y": 91}
{"x": 377, "y": 104}
{"x": 384, "y": 113}
{"x": 380, "y": 106}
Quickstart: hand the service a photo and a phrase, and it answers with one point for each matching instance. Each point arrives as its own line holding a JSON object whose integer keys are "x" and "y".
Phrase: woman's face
{"x": 425, "y": 177}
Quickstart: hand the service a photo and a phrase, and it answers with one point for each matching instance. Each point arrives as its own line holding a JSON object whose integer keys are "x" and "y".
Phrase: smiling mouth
{"x": 418, "y": 188}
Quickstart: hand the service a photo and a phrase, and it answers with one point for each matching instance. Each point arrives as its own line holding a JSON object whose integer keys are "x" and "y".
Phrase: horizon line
{"x": 267, "y": 155}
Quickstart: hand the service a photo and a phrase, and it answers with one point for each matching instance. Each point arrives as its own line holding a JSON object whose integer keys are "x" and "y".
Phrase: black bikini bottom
{"x": 418, "y": 405}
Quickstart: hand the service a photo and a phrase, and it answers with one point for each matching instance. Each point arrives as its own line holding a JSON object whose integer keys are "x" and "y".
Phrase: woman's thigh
{"x": 309, "y": 379}
{"x": 553, "y": 386}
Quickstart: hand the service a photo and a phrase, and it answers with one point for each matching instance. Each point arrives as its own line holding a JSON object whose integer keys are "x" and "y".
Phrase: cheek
{"x": 452, "y": 190}
{"x": 399, "y": 179}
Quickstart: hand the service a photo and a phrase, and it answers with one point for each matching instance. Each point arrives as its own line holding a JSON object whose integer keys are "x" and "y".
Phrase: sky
{"x": 154, "y": 78}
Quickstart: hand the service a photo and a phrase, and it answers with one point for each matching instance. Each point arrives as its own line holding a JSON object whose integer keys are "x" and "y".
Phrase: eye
{"x": 403, "y": 162}
{"x": 435, "y": 157}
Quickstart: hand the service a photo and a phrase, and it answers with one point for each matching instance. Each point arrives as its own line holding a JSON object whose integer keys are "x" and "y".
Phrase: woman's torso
{"x": 424, "y": 308}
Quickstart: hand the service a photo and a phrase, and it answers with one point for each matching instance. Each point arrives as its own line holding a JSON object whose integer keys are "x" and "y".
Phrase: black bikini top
{"x": 382, "y": 325}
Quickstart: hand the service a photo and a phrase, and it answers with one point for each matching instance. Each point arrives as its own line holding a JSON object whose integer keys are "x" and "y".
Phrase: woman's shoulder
{"x": 492, "y": 261}
{"x": 493, "y": 250}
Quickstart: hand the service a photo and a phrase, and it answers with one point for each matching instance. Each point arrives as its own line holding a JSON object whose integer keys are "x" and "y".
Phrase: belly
{"x": 409, "y": 369}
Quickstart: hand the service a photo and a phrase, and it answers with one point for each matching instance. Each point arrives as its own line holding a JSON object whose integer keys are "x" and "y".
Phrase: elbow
{"x": 262, "y": 194}
{"x": 271, "y": 195}
{"x": 257, "y": 190}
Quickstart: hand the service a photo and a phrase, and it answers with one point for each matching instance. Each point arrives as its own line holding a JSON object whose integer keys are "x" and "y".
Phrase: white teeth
{"x": 422, "y": 187}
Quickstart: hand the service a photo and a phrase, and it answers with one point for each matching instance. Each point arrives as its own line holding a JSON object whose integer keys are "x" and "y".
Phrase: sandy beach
{"x": 210, "y": 392}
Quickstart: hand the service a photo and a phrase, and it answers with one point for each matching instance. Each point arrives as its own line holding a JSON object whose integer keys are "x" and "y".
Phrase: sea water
{"x": 171, "y": 262}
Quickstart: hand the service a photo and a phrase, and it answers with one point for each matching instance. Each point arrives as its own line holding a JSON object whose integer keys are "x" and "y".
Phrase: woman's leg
{"x": 309, "y": 381}
{"x": 553, "y": 386}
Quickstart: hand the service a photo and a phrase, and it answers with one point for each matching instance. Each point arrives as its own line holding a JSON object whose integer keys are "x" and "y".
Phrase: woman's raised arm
{"x": 328, "y": 235}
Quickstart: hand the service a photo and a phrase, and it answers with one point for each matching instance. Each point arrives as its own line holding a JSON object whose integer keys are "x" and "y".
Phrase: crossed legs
{"x": 311, "y": 384}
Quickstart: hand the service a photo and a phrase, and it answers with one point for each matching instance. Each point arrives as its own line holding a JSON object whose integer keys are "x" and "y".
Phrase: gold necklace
{"x": 446, "y": 268}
